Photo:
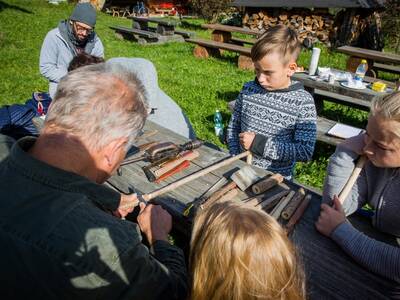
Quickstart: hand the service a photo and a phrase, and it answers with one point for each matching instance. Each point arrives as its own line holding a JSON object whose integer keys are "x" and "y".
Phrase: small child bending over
{"x": 274, "y": 117}
{"x": 238, "y": 252}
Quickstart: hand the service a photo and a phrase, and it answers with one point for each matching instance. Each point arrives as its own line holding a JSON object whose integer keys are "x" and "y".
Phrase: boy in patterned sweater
{"x": 274, "y": 117}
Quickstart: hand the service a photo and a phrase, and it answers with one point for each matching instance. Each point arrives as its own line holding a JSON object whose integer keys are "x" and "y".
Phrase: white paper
{"x": 344, "y": 131}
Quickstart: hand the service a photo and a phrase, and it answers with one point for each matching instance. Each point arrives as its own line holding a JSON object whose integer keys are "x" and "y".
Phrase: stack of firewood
{"x": 313, "y": 25}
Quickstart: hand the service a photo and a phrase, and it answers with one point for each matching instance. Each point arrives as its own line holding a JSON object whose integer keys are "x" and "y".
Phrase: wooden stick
{"x": 298, "y": 214}
{"x": 352, "y": 179}
{"x": 182, "y": 166}
{"x": 270, "y": 203}
{"x": 229, "y": 195}
{"x": 193, "y": 176}
{"x": 218, "y": 194}
{"x": 249, "y": 158}
{"x": 289, "y": 210}
{"x": 276, "y": 212}
{"x": 267, "y": 183}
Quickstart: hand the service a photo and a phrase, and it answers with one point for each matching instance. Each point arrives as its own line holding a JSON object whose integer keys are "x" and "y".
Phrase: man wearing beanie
{"x": 71, "y": 37}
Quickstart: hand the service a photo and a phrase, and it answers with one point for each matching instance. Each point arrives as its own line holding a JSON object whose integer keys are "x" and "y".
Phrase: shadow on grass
{"x": 4, "y": 6}
{"x": 227, "y": 96}
{"x": 191, "y": 26}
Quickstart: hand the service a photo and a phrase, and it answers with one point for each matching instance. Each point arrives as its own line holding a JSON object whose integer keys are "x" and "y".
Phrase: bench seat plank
{"x": 228, "y": 28}
{"x": 135, "y": 31}
{"x": 218, "y": 45}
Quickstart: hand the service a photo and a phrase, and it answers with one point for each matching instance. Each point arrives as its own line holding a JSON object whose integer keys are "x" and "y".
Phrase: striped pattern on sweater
{"x": 287, "y": 118}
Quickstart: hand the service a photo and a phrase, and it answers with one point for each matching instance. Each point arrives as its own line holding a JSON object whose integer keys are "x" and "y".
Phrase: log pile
{"x": 316, "y": 25}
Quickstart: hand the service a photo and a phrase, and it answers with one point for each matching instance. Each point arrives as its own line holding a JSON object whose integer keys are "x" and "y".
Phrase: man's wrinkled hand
{"x": 155, "y": 222}
{"x": 246, "y": 139}
{"x": 330, "y": 217}
{"x": 126, "y": 205}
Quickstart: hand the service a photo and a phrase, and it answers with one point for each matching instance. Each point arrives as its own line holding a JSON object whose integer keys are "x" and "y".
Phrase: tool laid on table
{"x": 163, "y": 168}
{"x": 163, "y": 151}
{"x": 243, "y": 178}
{"x": 191, "y": 177}
{"x": 297, "y": 214}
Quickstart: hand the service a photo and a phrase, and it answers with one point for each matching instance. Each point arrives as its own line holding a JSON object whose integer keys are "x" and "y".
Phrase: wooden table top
{"x": 155, "y": 20}
{"x": 228, "y": 28}
{"x": 370, "y": 54}
{"x": 329, "y": 271}
{"x": 364, "y": 94}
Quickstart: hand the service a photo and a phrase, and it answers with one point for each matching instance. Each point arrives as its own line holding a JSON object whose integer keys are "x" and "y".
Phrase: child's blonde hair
{"x": 279, "y": 38}
{"x": 238, "y": 252}
{"x": 389, "y": 108}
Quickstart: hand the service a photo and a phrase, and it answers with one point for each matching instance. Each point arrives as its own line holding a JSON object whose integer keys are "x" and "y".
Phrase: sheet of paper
{"x": 344, "y": 131}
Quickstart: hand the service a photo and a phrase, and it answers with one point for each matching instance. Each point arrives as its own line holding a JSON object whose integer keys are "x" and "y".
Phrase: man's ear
{"x": 292, "y": 68}
{"x": 113, "y": 152}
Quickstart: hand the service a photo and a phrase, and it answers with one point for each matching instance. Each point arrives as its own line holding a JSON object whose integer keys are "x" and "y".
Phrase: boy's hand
{"x": 246, "y": 139}
{"x": 330, "y": 217}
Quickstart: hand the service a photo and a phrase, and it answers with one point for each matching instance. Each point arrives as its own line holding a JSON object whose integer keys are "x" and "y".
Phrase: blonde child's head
{"x": 274, "y": 56}
{"x": 382, "y": 140}
{"x": 238, "y": 252}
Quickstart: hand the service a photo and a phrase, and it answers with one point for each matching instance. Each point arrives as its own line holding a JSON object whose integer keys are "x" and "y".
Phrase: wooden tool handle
{"x": 269, "y": 203}
{"x": 229, "y": 195}
{"x": 276, "y": 212}
{"x": 249, "y": 158}
{"x": 298, "y": 214}
{"x": 183, "y": 165}
{"x": 218, "y": 194}
{"x": 193, "y": 176}
{"x": 267, "y": 183}
{"x": 352, "y": 179}
{"x": 169, "y": 165}
{"x": 289, "y": 210}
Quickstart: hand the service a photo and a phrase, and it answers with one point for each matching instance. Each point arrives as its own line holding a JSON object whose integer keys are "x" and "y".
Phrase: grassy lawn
{"x": 198, "y": 86}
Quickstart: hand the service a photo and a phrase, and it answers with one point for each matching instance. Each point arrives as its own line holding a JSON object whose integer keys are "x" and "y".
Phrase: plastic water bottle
{"x": 361, "y": 70}
{"x": 218, "y": 125}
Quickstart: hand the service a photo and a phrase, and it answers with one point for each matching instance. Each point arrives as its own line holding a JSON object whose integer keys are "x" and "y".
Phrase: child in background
{"x": 249, "y": 259}
{"x": 274, "y": 117}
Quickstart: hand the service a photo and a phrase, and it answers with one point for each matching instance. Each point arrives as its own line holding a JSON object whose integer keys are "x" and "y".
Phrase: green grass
{"x": 198, "y": 86}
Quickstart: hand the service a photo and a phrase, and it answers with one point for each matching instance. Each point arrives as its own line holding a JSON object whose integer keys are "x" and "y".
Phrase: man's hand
{"x": 155, "y": 222}
{"x": 330, "y": 217}
{"x": 246, "y": 139}
{"x": 126, "y": 205}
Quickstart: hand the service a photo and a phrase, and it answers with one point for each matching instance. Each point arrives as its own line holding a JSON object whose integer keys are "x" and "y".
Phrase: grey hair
{"x": 99, "y": 103}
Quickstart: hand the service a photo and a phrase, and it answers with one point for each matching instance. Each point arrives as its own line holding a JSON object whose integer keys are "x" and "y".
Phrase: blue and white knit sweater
{"x": 284, "y": 122}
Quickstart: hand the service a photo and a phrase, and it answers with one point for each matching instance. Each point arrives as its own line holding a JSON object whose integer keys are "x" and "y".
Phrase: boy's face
{"x": 272, "y": 74}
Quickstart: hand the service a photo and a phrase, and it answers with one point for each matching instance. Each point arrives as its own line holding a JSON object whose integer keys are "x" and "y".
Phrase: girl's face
{"x": 382, "y": 145}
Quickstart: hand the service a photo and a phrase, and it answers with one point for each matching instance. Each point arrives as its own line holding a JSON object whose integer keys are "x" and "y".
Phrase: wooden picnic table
{"x": 143, "y": 33}
{"x": 377, "y": 60}
{"x": 164, "y": 27}
{"x": 223, "y": 33}
{"x": 330, "y": 273}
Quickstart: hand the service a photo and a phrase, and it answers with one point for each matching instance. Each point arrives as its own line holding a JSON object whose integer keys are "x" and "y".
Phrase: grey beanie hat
{"x": 85, "y": 13}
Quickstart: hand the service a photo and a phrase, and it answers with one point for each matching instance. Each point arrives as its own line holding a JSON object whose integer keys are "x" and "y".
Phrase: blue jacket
{"x": 16, "y": 119}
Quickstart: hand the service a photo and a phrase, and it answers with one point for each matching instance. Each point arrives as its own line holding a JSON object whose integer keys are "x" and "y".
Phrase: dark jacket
{"x": 16, "y": 119}
{"x": 58, "y": 241}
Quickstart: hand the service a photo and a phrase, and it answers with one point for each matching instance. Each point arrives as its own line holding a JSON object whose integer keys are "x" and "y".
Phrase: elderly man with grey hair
{"x": 59, "y": 239}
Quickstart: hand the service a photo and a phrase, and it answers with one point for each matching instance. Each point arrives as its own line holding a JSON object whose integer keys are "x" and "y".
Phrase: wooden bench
{"x": 206, "y": 48}
{"x": 323, "y": 126}
{"x": 377, "y": 60}
{"x": 164, "y": 27}
{"x": 141, "y": 36}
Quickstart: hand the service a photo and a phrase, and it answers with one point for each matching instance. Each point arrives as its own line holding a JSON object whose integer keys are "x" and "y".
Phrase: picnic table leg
{"x": 140, "y": 25}
{"x": 204, "y": 52}
{"x": 165, "y": 30}
{"x": 221, "y": 36}
{"x": 245, "y": 62}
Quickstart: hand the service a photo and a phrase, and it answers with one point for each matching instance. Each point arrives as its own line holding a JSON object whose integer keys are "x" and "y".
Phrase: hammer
{"x": 243, "y": 178}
